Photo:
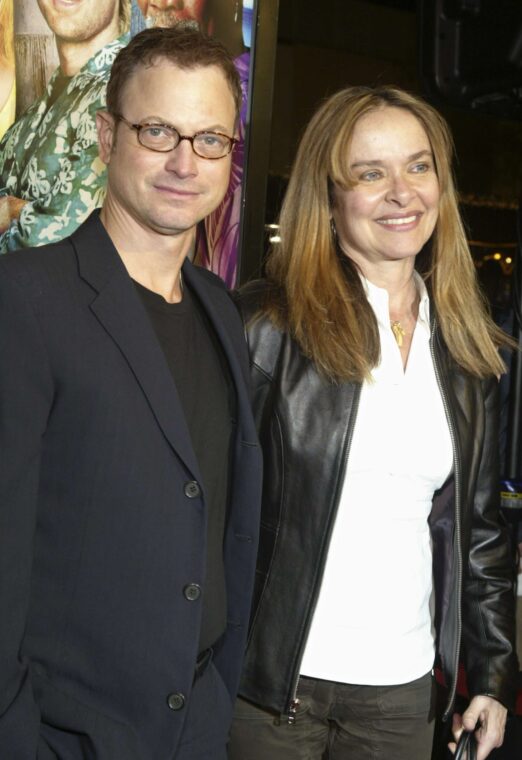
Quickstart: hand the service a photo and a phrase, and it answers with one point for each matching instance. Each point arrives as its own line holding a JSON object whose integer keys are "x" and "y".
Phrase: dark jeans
{"x": 341, "y": 722}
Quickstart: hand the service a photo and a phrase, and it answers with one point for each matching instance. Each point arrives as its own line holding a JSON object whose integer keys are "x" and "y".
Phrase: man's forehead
{"x": 164, "y": 78}
{"x": 160, "y": 62}
{"x": 156, "y": 68}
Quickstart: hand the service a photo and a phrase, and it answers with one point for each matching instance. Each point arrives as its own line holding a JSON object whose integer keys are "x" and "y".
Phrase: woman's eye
{"x": 421, "y": 168}
{"x": 370, "y": 176}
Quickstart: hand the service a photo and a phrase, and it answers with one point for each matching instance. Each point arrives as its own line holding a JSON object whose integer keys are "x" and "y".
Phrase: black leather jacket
{"x": 305, "y": 425}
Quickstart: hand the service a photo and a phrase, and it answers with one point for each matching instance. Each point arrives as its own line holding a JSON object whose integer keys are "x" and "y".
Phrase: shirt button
{"x": 176, "y": 701}
{"x": 192, "y": 592}
{"x": 192, "y": 489}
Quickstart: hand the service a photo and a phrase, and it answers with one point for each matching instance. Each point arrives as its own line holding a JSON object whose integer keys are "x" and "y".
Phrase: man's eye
{"x": 210, "y": 140}
{"x": 156, "y": 132}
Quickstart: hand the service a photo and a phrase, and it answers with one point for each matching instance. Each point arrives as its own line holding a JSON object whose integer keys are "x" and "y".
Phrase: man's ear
{"x": 106, "y": 127}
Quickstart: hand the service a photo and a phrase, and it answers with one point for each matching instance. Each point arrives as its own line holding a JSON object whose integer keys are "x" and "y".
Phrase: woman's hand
{"x": 490, "y": 716}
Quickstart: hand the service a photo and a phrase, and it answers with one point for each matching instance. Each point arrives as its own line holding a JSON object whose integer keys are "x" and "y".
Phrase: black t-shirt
{"x": 203, "y": 382}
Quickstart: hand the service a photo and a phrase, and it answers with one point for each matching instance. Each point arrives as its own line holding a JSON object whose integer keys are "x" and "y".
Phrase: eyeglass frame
{"x": 139, "y": 127}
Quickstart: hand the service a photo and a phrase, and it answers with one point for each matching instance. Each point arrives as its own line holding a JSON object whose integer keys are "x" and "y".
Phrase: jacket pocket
{"x": 71, "y": 728}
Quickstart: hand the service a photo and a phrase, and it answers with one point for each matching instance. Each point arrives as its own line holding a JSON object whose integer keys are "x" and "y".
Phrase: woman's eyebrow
{"x": 379, "y": 162}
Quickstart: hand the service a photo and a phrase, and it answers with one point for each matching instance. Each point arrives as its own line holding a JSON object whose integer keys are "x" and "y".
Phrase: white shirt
{"x": 372, "y": 623}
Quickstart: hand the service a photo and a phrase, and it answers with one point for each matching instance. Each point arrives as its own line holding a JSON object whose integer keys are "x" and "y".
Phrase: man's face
{"x": 79, "y": 20}
{"x": 168, "y": 193}
{"x": 171, "y": 12}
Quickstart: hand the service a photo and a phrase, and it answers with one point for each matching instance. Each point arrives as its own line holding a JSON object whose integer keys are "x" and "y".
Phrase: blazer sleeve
{"x": 26, "y": 393}
{"x": 488, "y": 601}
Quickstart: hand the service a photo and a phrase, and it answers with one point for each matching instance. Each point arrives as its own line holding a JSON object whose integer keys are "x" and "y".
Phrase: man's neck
{"x": 160, "y": 274}
{"x": 152, "y": 259}
{"x": 74, "y": 55}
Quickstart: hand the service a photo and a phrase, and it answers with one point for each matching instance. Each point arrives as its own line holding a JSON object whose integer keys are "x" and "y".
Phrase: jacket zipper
{"x": 294, "y": 702}
{"x": 451, "y": 426}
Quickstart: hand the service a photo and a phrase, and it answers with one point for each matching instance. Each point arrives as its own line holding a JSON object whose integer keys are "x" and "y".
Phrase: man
{"x": 130, "y": 472}
{"x": 50, "y": 175}
{"x": 218, "y": 237}
{"x": 219, "y": 18}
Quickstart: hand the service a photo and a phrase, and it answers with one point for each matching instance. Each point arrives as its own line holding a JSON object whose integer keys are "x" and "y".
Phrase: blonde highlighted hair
{"x": 125, "y": 15}
{"x": 316, "y": 292}
{"x": 6, "y": 33}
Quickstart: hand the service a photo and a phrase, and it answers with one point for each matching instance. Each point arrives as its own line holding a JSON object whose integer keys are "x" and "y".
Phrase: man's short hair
{"x": 181, "y": 45}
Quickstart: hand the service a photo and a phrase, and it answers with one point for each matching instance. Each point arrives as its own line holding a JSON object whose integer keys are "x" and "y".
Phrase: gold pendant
{"x": 398, "y": 332}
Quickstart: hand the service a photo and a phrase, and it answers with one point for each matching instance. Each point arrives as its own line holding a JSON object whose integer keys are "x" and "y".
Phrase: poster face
{"x": 51, "y": 177}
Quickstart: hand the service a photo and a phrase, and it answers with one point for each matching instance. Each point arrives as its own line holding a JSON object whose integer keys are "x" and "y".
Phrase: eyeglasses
{"x": 163, "y": 138}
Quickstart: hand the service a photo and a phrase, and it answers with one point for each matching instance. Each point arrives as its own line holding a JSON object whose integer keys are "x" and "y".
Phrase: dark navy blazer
{"x": 101, "y": 525}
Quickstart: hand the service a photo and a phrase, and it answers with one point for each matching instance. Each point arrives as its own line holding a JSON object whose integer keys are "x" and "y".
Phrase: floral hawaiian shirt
{"x": 49, "y": 157}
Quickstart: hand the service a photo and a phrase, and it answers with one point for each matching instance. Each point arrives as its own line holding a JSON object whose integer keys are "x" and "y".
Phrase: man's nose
{"x": 182, "y": 160}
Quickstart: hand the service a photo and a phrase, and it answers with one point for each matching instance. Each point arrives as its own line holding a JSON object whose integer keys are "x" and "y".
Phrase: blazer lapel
{"x": 216, "y": 301}
{"x": 118, "y": 308}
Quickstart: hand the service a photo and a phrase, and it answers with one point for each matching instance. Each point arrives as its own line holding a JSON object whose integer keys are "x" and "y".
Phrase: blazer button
{"x": 176, "y": 701}
{"x": 192, "y": 592}
{"x": 192, "y": 489}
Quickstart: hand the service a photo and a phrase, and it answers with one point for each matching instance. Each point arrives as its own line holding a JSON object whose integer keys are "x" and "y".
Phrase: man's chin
{"x": 168, "y": 19}
{"x": 174, "y": 228}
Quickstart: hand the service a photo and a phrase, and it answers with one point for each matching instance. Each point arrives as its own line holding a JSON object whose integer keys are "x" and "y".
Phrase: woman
{"x": 375, "y": 366}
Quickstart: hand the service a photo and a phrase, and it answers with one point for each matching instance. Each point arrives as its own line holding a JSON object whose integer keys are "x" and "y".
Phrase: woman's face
{"x": 391, "y": 211}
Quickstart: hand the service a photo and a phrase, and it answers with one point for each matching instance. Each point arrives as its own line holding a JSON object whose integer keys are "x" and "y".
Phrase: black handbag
{"x": 467, "y": 744}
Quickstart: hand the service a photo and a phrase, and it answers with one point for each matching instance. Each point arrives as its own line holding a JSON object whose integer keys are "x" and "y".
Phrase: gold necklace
{"x": 398, "y": 332}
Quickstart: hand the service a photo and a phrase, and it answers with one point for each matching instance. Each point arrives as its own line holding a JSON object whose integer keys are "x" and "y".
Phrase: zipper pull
{"x": 294, "y": 706}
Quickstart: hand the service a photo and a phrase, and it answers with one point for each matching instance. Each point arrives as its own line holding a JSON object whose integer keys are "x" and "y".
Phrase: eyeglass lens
{"x": 163, "y": 138}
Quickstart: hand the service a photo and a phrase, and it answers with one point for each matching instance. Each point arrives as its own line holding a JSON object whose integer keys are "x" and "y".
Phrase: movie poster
{"x": 7, "y": 67}
{"x": 51, "y": 177}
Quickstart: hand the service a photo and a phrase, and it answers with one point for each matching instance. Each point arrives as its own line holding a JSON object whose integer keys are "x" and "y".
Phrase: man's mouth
{"x": 177, "y": 191}
{"x": 61, "y": 4}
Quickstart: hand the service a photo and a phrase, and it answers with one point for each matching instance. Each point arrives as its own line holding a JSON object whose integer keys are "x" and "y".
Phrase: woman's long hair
{"x": 6, "y": 33}
{"x": 125, "y": 15}
{"x": 316, "y": 292}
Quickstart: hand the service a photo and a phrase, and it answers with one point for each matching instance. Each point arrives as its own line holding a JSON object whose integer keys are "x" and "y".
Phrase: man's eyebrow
{"x": 378, "y": 162}
{"x": 216, "y": 128}
{"x": 160, "y": 121}
{"x": 153, "y": 119}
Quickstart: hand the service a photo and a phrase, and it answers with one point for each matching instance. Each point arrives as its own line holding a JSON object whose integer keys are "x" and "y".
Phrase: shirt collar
{"x": 379, "y": 301}
{"x": 99, "y": 63}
